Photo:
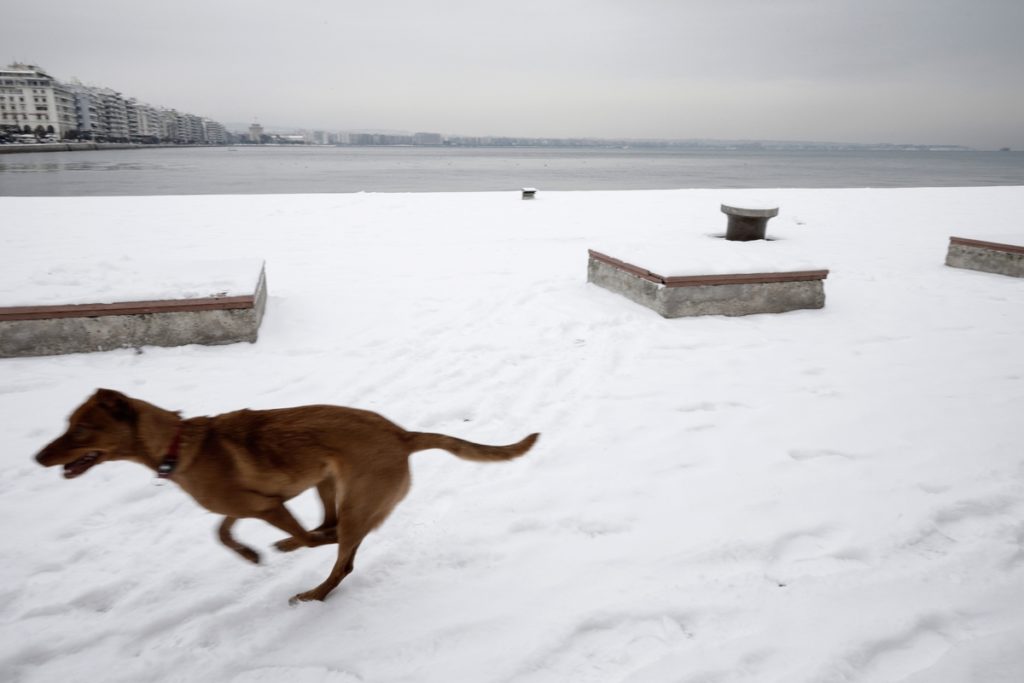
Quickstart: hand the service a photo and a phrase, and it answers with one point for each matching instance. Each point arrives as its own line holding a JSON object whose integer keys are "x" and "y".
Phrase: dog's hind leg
{"x": 363, "y": 508}
{"x": 329, "y": 497}
{"x": 350, "y": 536}
{"x": 224, "y": 534}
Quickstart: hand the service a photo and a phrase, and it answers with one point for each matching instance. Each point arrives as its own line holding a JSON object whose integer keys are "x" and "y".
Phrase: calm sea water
{"x": 271, "y": 170}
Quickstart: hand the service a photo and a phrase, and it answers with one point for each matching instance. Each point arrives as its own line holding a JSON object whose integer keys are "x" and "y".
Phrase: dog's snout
{"x": 44, "y": 457}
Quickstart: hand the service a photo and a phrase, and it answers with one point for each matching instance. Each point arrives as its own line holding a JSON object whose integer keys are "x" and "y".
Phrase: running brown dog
{"x": 249, "y": 462}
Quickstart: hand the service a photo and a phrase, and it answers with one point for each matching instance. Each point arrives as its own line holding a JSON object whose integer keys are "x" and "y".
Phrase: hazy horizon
{"x": 941, "y": 72}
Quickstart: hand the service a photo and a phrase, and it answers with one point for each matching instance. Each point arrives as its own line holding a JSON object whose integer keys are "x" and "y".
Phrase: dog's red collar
{"x": 170, "y": 460}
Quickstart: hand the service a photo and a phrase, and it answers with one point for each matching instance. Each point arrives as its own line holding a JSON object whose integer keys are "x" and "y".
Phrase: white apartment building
{"x": 190, "y": 129}
{"x": 168, "y": 124}
{"x": 115, "y": 114}
{"x": 31, "y": 99}
{"x": 216, "y": 134}
{"x": 88, "y": 111}
{"x": 427, "y": 139}
{"x": 100, "y": 113}
{"x": 144, "y": 121}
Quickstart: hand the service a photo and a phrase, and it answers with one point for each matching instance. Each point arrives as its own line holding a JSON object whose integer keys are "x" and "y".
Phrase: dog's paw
{"x": 308, "y": 596}
{"x": 287, "y": 545}
{"x": 317, "y": 537}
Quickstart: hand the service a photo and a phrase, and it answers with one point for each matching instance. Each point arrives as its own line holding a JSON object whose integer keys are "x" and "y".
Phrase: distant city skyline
{"x": 868, "y": 71}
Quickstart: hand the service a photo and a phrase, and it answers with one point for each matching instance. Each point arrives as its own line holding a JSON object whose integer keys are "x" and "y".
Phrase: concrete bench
{"x": 80, "y": 328}
{"x": 724, "y": 294}
{"x": 989, "y": 257}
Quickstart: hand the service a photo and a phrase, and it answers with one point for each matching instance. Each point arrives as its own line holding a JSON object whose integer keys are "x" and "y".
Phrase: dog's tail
{"x": 421, "y": 441}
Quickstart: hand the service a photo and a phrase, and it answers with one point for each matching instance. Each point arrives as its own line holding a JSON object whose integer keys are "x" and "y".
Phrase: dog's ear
{"x": 116, "y": 403}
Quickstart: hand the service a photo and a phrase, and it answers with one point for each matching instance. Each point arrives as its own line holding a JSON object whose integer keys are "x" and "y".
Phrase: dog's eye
{"x": 80, "y": 433}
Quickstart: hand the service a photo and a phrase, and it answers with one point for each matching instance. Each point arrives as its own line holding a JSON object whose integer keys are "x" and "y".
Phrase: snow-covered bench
{"x": 125, "y": 303}
{"x": 1003, "y": 255}
{"x": 721, "y": 294}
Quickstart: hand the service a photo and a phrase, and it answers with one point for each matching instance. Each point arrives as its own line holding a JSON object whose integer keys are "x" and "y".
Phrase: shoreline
{"x": 82, "y": 147}
{"x": 93, "y": 146}
{"x": 266, "y": 169}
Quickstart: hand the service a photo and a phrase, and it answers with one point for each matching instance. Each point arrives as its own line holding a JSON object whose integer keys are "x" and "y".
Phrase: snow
{"x": 750, "y": 202}
{"x": 673, "y": 251}
{"x": 126, "y": 277}
{"x": 691, "y": 241}
{"x": 829, "y": 495}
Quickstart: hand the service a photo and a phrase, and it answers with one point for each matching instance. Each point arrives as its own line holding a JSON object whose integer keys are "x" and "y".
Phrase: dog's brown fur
{"x": 249, "y": 462}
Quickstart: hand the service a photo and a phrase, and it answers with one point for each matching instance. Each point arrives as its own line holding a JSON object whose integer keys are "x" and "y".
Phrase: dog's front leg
{"x": 224, "y": 534}
{"x": 327, "y": 532}
{"x": 300, "y": 538}
{"x": 319, "y": 536}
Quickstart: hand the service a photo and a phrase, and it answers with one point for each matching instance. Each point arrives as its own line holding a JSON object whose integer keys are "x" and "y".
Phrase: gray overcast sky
{"x": 904, "y": 71}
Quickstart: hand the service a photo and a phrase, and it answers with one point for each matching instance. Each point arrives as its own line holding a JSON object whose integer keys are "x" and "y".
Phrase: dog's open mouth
{"x": 82, "y": 465}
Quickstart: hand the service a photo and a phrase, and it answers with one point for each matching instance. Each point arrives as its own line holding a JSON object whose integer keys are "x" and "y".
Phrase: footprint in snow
{"x": 811, "y": 552}
{"x": 609, "y": 648}
{"x": 708, "y": 406}
{"x": 909, "y": 651}
{"x": 971, "y": 518}
{"x": 802, "y": 454}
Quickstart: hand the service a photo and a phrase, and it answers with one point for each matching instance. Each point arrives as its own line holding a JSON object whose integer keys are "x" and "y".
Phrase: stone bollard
{"x": 747, "y": 224}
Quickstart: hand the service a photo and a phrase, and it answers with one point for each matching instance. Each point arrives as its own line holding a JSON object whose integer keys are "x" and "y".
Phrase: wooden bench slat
{"x": 745, "y": 278}
{"x": 699, "y": 280}
{"x": 995, "y": 246}
{"x": 628, "y": 267}
{"x": 126, "y": 308}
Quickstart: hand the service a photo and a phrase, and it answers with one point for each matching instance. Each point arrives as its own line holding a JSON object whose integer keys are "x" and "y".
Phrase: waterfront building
{"x": 101, "y": 113}
{"x": 215, "y": 133}
{"x": 114, "y": 115}
{"x": 144, "y": 122}
{"x": 168, "y": 125}
{"x": 190, "y": 129}
{"x": 435, "y": 139}
{"x": 33, "y": 101}
{"x": 88, "y": 111}
{"x": 256, "y": 133}
{"x": 66, "y": 114}
{"x": 427, "y": 139}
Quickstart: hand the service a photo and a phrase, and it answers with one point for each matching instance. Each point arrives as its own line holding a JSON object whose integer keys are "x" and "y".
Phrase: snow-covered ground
{"x": 126, "y": 277}
{"x": 830, "y": 495}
